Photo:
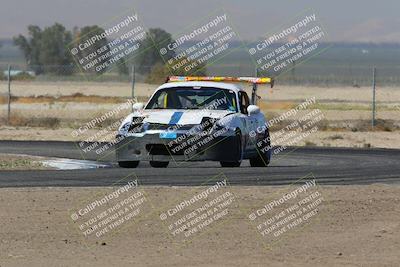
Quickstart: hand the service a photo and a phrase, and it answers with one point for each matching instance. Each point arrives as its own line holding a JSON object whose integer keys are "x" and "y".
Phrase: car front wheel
{"x": 263, "y": 152}
{"x": 236, "y": 163}
{"x": 159, "y": 164}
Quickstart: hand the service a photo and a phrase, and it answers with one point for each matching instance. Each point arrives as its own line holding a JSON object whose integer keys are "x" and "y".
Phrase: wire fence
{"x": 307, "y": 74}
{"x": 36, "y": 92}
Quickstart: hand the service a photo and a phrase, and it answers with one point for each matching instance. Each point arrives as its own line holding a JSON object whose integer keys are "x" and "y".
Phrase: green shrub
{"x": 23, "y": 76}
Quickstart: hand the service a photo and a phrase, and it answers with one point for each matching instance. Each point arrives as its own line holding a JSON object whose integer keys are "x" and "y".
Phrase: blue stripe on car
{"x": 175, "y": 117}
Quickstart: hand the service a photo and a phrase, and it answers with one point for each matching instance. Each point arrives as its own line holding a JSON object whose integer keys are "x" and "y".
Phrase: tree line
{"x": 45, "y": 50}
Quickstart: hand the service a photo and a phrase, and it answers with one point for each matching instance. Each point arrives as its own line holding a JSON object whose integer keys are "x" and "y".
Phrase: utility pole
{"x": 9, "y": 95}
{"x": 293, "y": 70}
{"x": 373, "y": 96}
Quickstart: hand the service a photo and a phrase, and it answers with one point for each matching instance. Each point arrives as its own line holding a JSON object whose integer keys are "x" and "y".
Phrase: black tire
{"x": 159, "y": 164}
{"x": 259, "y": 162}
{"x": 128, "y": 164}
{"x": 262, "y": 159}
{"x": 230, "y": 164}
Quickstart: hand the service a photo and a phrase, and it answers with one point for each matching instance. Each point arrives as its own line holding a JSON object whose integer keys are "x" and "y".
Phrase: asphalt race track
{"x": 338, "y": 166}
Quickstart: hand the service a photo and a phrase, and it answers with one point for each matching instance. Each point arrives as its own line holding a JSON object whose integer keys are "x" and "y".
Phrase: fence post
{"x": 9, "y": 94}
{"x": 373, "y": 95}
{"x": 133, "y": 81}
{"x": 254, "y": 89}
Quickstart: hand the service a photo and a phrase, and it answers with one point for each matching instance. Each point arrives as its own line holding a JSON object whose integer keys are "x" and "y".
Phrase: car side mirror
{"x": 137, "y": 106}
{"x": 253, "y": 109}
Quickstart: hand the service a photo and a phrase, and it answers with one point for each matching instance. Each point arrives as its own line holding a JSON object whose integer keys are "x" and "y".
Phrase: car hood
{"x": 181, "y": 117}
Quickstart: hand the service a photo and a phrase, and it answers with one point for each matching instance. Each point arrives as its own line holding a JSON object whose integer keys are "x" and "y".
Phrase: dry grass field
{"x": 52, "y": 110}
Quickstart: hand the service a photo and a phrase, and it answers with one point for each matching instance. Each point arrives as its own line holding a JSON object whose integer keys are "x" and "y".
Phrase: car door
{"x": 251, "y": 122}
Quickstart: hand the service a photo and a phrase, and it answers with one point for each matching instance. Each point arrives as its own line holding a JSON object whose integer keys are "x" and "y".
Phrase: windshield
{"x": 193, "y": 98}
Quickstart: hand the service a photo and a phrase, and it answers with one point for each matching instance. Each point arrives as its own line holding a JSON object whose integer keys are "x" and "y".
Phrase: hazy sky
{"x": 344, "y": 20}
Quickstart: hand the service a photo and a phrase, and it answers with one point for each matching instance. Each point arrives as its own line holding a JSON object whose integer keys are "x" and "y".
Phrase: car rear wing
{"x": 253, "y": 80}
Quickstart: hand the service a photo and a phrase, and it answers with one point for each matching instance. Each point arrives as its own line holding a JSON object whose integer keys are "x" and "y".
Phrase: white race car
{"x": 196, "y": 119}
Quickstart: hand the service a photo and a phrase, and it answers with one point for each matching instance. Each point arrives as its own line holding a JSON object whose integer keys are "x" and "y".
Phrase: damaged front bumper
{"x": 162, "y": 146}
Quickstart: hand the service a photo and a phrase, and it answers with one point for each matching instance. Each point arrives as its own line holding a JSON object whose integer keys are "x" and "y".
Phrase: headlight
{"x": 124, "y": 128}
{"x": 136, "y": 126}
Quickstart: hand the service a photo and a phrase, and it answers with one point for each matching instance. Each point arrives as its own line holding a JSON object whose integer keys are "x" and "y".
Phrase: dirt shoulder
{"x": 355, "y": 226}
{"x": 21, "y": 162}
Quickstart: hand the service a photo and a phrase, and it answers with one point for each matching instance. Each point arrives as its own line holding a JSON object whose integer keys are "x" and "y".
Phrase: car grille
{"x": 157, "y": 126}
{"x": 161, "y": 149}
{"x": 160, "y": 126}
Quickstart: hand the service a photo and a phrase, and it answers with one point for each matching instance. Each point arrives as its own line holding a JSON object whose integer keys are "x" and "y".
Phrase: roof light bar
{"x": 253, "y": 80}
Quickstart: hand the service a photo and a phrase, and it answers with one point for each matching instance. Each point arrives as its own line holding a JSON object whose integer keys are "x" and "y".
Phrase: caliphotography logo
{"x": 110, "y": 212}
{"x": 289, "y": 211}
{"x": 200, "y": 211}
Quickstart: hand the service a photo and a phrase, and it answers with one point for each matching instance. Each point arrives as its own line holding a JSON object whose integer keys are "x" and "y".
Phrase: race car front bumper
{"x": 151, "y": 147}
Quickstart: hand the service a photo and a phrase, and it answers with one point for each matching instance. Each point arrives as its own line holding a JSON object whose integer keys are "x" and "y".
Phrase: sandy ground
{"x": 68, "y": 88}
{"x": 279, "y": 92}
{"x": 88, "y": 111}
{"x": 354, "y": 226}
